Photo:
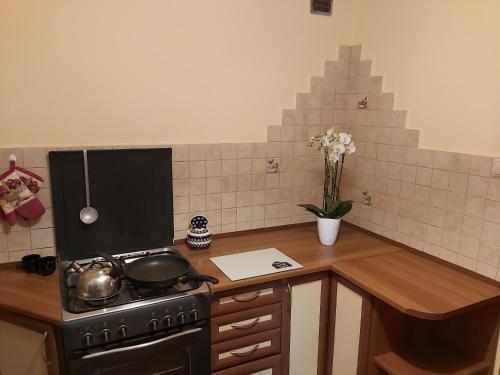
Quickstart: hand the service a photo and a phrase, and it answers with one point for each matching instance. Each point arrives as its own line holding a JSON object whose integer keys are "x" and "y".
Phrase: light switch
{"x": 496, "y": 167}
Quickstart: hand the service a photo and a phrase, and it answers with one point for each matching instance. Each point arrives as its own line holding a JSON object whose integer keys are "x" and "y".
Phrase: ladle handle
{"x": 86, "y": 169}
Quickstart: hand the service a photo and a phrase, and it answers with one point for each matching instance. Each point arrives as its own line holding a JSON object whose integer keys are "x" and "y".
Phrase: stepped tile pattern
{"x": 443, "y": 203}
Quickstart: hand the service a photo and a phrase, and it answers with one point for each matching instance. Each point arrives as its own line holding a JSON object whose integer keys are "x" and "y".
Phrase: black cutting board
{"x": 131, "y": 190}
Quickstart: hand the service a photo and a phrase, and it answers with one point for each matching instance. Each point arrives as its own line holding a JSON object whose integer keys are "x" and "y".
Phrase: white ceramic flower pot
{"x": 328, "y": 229}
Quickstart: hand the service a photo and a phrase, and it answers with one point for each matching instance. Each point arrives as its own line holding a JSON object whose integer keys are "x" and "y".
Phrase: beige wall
{"x": 442, "y": 59}
{"x": 162, "y": 71}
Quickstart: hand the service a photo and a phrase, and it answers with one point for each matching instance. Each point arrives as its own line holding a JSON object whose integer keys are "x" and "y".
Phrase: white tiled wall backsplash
{"x": 446, "y": 204}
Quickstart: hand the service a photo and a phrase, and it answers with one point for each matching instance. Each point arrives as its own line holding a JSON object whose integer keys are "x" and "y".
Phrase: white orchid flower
{"x": 351, "y": 148}
{"x": 325, "y": 141}
{"x": 344, "y": 138}
{"x": 334, "y": 156}
{"x": 338, "y": 148}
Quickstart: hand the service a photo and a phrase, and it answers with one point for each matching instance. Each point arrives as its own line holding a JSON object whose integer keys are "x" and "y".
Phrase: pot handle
{"x": 116, "y": 268}
{"x": 202, "y": 278}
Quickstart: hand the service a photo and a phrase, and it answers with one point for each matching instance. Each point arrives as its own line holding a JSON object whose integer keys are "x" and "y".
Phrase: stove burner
{"x": 128, "y": 293}
{"x": 102, "y": 302}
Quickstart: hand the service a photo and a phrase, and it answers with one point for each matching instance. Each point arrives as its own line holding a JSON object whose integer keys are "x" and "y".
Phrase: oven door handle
{"x": 141, "y": 346}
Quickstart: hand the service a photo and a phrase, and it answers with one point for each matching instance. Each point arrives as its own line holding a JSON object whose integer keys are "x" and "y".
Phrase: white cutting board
{"x": 254, "y": 263}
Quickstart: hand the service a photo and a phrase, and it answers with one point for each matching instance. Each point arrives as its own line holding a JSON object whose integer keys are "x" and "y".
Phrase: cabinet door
{"x": 21, "y": 351}
{"x": 496, "y": 367}
{"x": 26, "y": 346}
{"x": 349, "y": 329}
{"x": 308, "y": 326}
{"x": 349, "y": 306}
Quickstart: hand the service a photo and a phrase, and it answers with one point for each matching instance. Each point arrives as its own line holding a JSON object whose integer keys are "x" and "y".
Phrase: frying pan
{"x": 159, "y": 271}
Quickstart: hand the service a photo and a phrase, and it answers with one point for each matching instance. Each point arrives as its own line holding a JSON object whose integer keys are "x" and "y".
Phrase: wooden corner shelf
{"x": 437, "y": 357}
{"x": 418, "y": 286}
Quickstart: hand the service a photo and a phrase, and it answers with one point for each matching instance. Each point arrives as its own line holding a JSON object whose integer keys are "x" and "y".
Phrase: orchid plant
{"x": 334, "y": 146}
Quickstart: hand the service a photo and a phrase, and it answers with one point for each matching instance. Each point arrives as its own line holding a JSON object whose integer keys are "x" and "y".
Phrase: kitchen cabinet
{"x": 248, "y": 329}
{"x": 403, "y": 344}
{"x": 27, "y": 346}
{"x": 275, "y": 328}
{"x": 308, "y": 323}
{"x": 349, "y": 306}
{"x": 349, "y": 316}
{"x": 417, "y": 316}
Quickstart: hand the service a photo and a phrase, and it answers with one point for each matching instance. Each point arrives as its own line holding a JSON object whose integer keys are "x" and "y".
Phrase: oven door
{"x": 182, "y": 353}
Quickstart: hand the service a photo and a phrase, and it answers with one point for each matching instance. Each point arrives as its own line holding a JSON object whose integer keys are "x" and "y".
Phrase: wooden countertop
{"x": 30, "y": 294}
{"x": 414, "y": 284}
{"x": 419, "y": 286}
{"x": 300, "y": 243}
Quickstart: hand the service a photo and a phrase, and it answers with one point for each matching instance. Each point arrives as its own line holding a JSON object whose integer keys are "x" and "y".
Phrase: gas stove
{"x": 139, "y": 331}
{"x": 75, "y": 308}
{"x": 135, "y": 317}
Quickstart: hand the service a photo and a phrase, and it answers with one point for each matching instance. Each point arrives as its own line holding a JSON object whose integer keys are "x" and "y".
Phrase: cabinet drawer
{"x": 247, "y": 322}
{"x": 264, "y": 366}
{"x": 245, "y": 349}
{"x": 246, "y": 298}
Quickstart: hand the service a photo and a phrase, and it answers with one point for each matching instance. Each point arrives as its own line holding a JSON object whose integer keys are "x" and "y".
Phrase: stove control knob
{"x": 122, "y": 330}
{"x": 194, "y": 314}
{"x": 105, "y": 335}
{"x": 87, "y": 338}
{"x": 181, "y": 318}
{"x": 153, "y": 324}
{"x": 168, "y": 320}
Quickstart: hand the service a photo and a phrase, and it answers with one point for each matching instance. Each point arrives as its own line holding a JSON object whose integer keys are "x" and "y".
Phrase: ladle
{"x": 88, "y": 214}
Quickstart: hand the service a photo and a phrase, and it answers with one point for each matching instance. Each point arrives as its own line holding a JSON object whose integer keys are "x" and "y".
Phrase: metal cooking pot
{"x": 99, "y": 280}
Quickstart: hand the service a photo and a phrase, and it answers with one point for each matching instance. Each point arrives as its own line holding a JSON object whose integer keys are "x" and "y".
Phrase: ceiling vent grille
{"x": 321, "y": 7}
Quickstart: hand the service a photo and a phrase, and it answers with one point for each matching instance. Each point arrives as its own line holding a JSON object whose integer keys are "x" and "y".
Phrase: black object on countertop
{"x": 131, "y": 190}
{"x": 46, "y": 265}
{"x": 29, "y": 263}
{"x": 35, "y": 263}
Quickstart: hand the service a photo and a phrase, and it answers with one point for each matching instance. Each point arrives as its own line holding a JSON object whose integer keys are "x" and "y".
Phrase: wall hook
{"x": 12, "y": 160}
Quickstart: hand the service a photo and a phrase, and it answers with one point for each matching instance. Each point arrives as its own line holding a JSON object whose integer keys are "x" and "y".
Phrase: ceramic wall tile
{"x": 478, "y": 186}
{"x": 475, "y": 207}
{"x": 197, "y": 152}
{"x": 494, "y": 189}
{"x": 19, "y": 240}
{"x": 492, "y": 211}
{"x": 480, "y": 166}
{"x": 197, "y": 169}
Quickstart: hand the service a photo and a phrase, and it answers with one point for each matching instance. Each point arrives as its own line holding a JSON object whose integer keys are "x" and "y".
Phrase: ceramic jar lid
{"x": 199, "y": 236}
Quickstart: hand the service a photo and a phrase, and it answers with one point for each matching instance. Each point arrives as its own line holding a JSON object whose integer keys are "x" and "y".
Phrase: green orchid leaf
{"x": 313, "y": 209}
{"x": 341, "y": 210}
{"x": 336, "y": 205}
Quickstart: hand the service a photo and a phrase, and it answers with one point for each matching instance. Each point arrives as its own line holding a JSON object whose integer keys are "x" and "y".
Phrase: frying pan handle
{"x": 116, "y": 268}
{"x": 201, "y": 278}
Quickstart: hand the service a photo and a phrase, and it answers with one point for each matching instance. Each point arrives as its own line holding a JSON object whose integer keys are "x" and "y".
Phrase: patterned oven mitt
{"x": 17, "y": 194}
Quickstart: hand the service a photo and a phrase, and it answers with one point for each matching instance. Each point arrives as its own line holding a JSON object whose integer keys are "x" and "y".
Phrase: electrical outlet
{"x": 496, "y": 167}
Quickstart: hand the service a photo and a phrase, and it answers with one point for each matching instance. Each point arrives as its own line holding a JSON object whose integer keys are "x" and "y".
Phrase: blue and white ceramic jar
{"x": 199, "y": 236}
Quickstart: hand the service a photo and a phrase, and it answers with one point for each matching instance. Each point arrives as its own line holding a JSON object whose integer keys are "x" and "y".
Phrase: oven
{"x": 176, "y": 352}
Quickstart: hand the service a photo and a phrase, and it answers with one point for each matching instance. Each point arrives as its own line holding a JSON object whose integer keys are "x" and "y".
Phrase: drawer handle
{"x": 245, "y": 326}
{"x": 247, "y": 353}
{"x": 246, "y": 299}
{"x": 44, "y": 350}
